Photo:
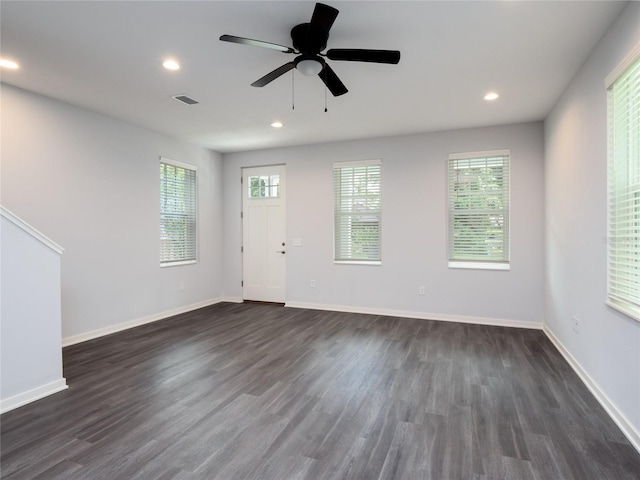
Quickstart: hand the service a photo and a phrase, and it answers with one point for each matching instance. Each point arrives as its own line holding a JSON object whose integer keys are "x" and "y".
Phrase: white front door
{"x": 263, "y": 234}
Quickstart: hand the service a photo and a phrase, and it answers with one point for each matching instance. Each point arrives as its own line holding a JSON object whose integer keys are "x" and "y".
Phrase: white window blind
{"x": 624, "y": 190}
{"x": 357, "y": 211}
{"x": 177, "y": 213}
{"x": 479, "y": 209}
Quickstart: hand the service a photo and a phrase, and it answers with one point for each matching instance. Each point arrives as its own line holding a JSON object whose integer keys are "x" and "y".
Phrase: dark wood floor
{"x": 237, "y": 391}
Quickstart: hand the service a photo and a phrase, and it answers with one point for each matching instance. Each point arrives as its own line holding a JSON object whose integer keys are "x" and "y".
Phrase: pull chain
{"x": 325, "y": 99}
{"x": 325, "y": 90}
{"x": 293, "y": 96}
{"x": 293, "y": 91}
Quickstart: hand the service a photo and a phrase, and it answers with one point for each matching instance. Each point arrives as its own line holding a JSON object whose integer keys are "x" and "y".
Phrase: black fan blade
{"x": 359, "y": 55}
{"x": 331, "y": 80}
{"x": 321, "y": 22}
{"x": 256, "y": 43}
{"x": 271, "y": 76}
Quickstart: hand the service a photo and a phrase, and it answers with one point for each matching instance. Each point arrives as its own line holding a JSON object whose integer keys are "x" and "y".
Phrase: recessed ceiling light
{"x": 491, "y": 96}
{"x": 277, "y": 124}
{"x": 4, "y": 63}
{"x": 171, "y": 65}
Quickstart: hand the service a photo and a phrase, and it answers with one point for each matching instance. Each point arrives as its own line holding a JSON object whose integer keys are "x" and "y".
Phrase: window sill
{"x": 177, "y": 264}
{"x": 625, "y": 309}
{"x": 480, "y": 265}
{"x": 357, "y": 262}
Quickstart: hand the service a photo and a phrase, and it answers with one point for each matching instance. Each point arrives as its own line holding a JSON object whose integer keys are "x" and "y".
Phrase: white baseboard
{"x": 498, "y": 322}
{"x": 83, "y": 337}
{"x": 616, "y": 415}
{"x": 232, "y": 299}
{"x": 32, "y": 395}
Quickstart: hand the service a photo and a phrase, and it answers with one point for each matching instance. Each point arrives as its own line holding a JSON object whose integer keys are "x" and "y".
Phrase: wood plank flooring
{"x": 250, "y": 391}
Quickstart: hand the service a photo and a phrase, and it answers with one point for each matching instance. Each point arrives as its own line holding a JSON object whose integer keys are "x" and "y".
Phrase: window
{"x": 479, "y": 210}
{"x": 624, "y": 186}
{"x": 357, "y": 209}
{"x": 264, "y": 186}
{"x": 177, "y": 213}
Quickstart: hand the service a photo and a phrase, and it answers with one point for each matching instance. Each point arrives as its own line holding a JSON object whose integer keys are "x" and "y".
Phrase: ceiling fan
{"x": 309, "y": 40}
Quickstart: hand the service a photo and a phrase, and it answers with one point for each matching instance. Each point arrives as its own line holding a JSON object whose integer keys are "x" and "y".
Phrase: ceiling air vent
{"x": 186, "y": 100}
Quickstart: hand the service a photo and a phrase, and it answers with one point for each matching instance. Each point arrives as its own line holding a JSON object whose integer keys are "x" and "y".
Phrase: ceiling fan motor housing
{"x": 305, "y": 43}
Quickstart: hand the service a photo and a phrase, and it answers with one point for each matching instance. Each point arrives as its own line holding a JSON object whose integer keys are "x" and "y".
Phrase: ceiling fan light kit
{"x": 308, "y": 66}
{"x": 309, "y": 41}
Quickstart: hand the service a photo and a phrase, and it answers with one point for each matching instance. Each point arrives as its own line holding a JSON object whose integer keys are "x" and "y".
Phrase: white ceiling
{"x": 106, "y": 56}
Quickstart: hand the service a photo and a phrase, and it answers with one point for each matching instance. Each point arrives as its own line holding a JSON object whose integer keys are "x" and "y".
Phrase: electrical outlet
{"x": 576, "y": 324}
{"x": 421, "y": 290}
{"x": 312, "y": 284}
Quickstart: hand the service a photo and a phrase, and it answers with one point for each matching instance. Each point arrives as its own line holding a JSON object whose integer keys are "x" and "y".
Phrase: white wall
{"x": 608, "y": 345}
{"x": 414, "y": 220}
{"x": 30, "y": 342}
{"x": 92, "y": 183}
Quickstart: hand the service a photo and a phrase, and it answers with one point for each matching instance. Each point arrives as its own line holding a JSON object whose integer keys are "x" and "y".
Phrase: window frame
{"x": 182, "y": 261}
{"x": 616, "y": 298}
{"x": 338, "y": 166}
{"x": 471, "y": 263}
